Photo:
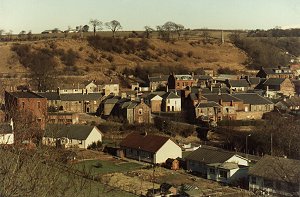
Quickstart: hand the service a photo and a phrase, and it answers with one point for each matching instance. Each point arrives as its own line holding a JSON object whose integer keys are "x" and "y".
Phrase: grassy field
{"x": 105, "y": 167}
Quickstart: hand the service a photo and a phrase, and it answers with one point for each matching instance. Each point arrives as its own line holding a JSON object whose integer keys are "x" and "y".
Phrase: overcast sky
{"x": 39, "y": 15}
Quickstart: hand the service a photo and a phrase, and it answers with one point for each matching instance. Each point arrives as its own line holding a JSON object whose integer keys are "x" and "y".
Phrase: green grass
{"x": 106, "y": 166}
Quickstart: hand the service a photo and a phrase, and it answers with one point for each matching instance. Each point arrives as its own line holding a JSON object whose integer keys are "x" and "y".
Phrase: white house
{"x": 150, "y": 148}
{"x": 217, "y": 164}
{"x": 171, "y": 102}
{"x": 6, "y": 133}
{"x": 275, "y": 176}
{"x": 111, "y": 88}
{"x": 80, "y": 136}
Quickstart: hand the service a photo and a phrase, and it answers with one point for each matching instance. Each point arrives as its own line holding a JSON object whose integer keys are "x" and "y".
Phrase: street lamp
{"x": 247, "y": 145}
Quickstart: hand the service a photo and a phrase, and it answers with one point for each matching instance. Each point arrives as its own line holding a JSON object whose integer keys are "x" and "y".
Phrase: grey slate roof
{"x": 238, "y": 83}
{"x": 293, "y": 101}
{"x": 282, "y": 71}
{"x": 50, "y": 95}
{"x": 277, "y": 169}
{"x": 5, "y": 128}
{"x": 210, "y": 155}
{"x": 224, "y": 97}
{"x": 207, "y": 104}
{"x": 273, "y": 81}
{"x": 25, "y": 94}
{"x": 203, "y": 77}
{"x": 79, "y": 132}
{"x": 170, "y": 95}
{"x": 183, "y": 77}
{"x": 215, "y": 90}
{"x": 254, "y": 80}
{"x": 81, "y": 97}
{"x": 253, "y": 98}
{"x": 159, "y": 78}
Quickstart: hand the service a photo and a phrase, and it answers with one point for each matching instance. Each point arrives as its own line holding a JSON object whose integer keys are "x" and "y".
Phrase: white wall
{"x": 168, "y": 150}
{"x": 173, "y": 102}
{"x": 94, "y": 136}
{"x": 238, "y": 160}
{"x": 7, "y": 138}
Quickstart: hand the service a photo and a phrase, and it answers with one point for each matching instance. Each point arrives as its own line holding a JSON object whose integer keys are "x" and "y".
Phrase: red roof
{"x": 149, "y": 143}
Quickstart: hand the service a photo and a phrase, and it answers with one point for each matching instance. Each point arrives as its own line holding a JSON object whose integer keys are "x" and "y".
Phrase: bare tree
{"x": 97, "y": 25}
{"x": 178, "y": 28}
{"x": 9, "y": 34}
{"x": 114, "y": 26}
{"x": 148, "y": 31}
{"x": 29, "y": 35}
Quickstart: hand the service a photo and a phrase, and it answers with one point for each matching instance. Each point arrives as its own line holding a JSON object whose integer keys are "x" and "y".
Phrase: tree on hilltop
{"x": 114, "y": 26}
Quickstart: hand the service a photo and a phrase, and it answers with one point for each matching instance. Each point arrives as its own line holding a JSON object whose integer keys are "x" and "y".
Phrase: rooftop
{"x": 25, "y": 94}
{"x": 253, "y": 98}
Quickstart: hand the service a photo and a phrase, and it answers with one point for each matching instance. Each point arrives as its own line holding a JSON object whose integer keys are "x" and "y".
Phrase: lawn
{"x": 95, "y": 167}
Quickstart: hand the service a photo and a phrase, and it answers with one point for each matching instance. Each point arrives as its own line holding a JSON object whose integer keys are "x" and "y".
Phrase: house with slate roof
{"x": 171, "y": 102}
{"x": 238, "y": 85}
{"x": 275, "y": 87}
{"x": 154, "y": 101}
{"x": 79, "y": 136}
{"x": 134, "y": 111}
{"x": 81, "y": 103}
{"x": 208, "y": 111}
{"x": 275, "y": 176}
{"x": 217, "y": 164}
{"x": 280, "y": 72}
{"x": 150, "y": 148}
{"x": 180, "y": 82}
{"x": 156, "y": 82}
{"x": 289, "y": 104}
{"x": 53, "y": 100}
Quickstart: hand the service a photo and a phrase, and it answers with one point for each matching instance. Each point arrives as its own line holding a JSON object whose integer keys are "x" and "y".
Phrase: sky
{"x": 39, "y": 15}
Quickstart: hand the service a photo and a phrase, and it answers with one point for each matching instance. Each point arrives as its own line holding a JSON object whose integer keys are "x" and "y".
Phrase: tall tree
{"x": 148, "y": 31}
{"x": 114, "y": 26}
{"x": 97, "y": 25}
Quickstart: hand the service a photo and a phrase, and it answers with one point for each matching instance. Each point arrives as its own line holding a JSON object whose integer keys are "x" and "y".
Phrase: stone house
{"x": 53, "y": 100}
{"x": 157, "y": 82}
{"x": 111, "y": 88}
{"x": 63, "y": 118}
{"x": 208, "y": 111}
{"x": 171, "y": 102}
{"x": 279, "y": 86}
{"x": 81, "y": 103}
{"x": 155, "y": 102}
{"x": 203, "y": 80}
{"x": 134, "y": 112}
{"x": 240, "y": 85}
{"x": 150, "y": 148}
{"x": 69, "y": 136}
{"x": 275, "y": 176}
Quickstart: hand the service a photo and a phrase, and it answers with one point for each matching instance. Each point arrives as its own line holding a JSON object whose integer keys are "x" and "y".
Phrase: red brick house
{"x": 180, "y": 82}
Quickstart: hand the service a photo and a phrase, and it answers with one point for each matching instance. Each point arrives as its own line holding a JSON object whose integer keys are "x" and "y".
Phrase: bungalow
{"x": 275, "y": 176}
{"x": 80, "y": 136}
{"x": 217, "y": 164}
{"x": 150, "y": 148}
{"x": 171, "y": 102}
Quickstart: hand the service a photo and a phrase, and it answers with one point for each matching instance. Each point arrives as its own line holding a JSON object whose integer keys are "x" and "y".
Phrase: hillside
{"x": 100, "y": 65}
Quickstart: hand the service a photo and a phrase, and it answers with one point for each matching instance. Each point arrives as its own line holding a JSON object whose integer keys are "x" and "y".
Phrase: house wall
{"x": 139, "y": 155}
{"x": 62, "y": 118}
{"x": 7, "y": 138}
{"x": 108, "y": 107}
{"x": 287, "y": 88}
{"x": 197, "y": 166}
{"x": 72, "y": 106}
{"x": 238, "y": 160}
{"x": 142, "y": 113}
{"x": 111, "y": 89}
{"x": 168, "y": 150}
{"x": 172, "y": 105}
{"x": 94, "y": 136}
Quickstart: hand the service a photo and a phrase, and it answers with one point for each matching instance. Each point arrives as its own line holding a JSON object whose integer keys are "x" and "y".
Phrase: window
{"x": 178, "y": 84}
{"x": 39, "y": 104}
{"x": 140, "y": 111}
{"x": 212, "y": 171}
{"x": 80, "y": 142}
{"x": 23, "y": 104}
{"x": 223, "y": 174}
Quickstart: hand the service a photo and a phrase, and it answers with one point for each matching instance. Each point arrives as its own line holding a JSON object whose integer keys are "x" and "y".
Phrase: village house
{"x": 171, "y": 102}
{"x": 107, "y": 105}
{"x": 217, "y": 164}
{"x": 158, "y": 82}
{"x": 63, "y": 118}
{"x": 275, "y": 176}
{"x": 280, "y": 72}
{"x": 111, "y": 89}
{"x": 238, "y": 85}
{"x": 254, "y": 106}
{"x": 289, "y": 104}
{"x": 134, "y": 112}
{"x": 26, "y": 105}
{"x": 71, "y": 88}
{"x": 180, "y": 82}
{"x": 230, "y": 104}
{"x": 81, "y": 103}
{"x": 208, "y": 111}
{"x": 203, "y": 80}
{"x": 53, "y": 100}
{"x": 275, "y": 87}
{"x": 253, "y": 81}
{"x": 6, "y": 133}
{"x": 150, "y": 148}
{"x": 154, "y": 101}
{"x": 71, "y": 136}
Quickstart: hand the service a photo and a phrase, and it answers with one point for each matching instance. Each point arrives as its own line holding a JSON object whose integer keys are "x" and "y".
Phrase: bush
{"x": 70, "y": 58}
